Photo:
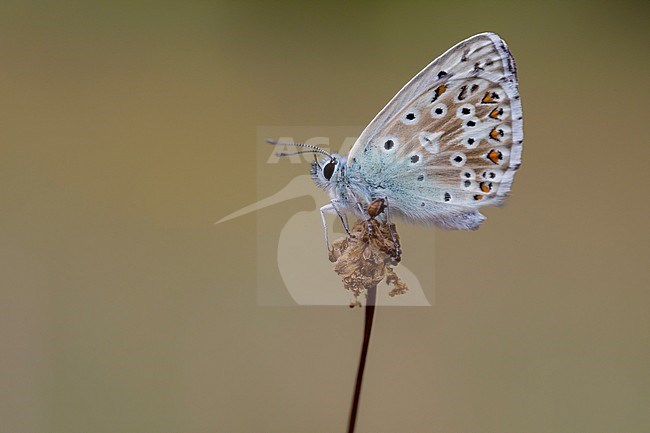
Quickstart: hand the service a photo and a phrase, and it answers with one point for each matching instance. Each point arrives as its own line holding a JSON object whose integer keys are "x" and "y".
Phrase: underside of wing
{"x": 450, "y": 141}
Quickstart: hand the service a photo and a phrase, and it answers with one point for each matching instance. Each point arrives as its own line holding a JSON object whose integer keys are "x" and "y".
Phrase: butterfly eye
{"x": 328, "y": 170}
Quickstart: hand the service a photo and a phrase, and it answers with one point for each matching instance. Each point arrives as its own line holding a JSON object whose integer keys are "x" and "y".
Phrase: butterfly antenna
{"x": 312, "y": 148}
{"x": 299, "y": 152}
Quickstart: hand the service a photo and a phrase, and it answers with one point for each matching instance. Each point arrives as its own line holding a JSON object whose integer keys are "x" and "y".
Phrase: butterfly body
{"x": 446, "y": 145}
{"x": 353, "y": 189}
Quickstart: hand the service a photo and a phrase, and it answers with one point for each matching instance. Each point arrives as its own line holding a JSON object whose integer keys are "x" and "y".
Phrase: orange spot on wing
{"x": 490, "y": 98}
{"x": 478, "y": 197}
{"x": 486, "y": 186}
{"x": 496, "y": 133}
{"x": 495, "y": 156}
{"x": 439, "y": 91}
{"x": 496, "y": 113}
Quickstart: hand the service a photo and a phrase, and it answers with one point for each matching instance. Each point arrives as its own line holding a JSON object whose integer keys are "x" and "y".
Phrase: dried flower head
{"x": 368, "y": 255}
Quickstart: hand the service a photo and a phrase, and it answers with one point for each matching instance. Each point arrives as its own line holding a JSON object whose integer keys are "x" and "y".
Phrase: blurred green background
{"x": 128, "y": 128}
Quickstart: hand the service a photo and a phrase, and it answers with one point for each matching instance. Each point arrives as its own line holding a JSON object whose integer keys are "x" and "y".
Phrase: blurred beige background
{"x": 128, "y": 128}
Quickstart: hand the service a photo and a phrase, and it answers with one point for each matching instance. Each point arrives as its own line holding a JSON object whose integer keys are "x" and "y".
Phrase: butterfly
{"x": 446, "y": 145}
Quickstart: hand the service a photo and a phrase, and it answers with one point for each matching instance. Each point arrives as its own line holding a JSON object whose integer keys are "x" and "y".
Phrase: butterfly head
{"x": 327, "y": 172}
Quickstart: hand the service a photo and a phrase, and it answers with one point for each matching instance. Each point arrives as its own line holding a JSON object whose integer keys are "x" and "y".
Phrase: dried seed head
{"x": 366, "y": 258}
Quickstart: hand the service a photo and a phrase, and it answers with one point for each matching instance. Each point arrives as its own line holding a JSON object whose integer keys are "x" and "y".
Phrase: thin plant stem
{"x": 367, "y": 328}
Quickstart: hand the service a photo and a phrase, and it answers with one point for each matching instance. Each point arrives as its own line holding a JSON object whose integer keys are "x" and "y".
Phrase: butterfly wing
{"x": 450, "y": 141}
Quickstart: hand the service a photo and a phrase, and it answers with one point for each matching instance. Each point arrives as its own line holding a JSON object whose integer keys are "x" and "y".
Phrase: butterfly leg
{"x": 327, "y": 208}
{"x": 362, "y": 210}
{"x": 365, "y": 215}
{"x": 342, "y": 216}
{"x": 398, "y": 252}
